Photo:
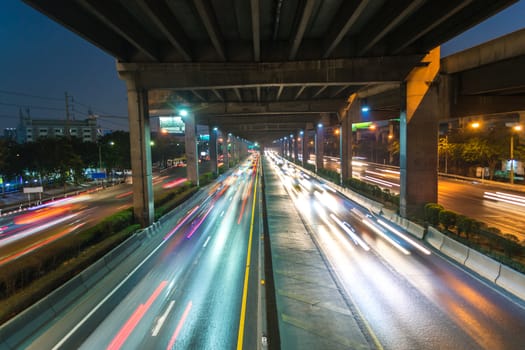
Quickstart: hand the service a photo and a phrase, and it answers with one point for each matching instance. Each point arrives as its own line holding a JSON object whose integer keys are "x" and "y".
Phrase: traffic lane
{"x": 212, "y": 295}
{"x": 25, "y": 232}
{"x": 468, "y": 199}
{"x": 486, "y": 317}
{"x": 398, "y": 316}
{"x": 131, "y": 317}
{"x": 199, "y": 275}
{"x": 453, "y": 298}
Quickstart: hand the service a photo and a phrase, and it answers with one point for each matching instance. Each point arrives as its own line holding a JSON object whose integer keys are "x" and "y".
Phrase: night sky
{"x": 40, "y": 61}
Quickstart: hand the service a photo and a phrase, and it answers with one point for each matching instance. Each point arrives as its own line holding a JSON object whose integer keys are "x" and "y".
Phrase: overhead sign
{"x": 171, "y": 125}
{"x": 37, "y": 189}
{"x": 98, "y": 175}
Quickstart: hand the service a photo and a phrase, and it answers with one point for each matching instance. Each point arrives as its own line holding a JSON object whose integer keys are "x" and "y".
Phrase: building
{"x": 30, "y": 130}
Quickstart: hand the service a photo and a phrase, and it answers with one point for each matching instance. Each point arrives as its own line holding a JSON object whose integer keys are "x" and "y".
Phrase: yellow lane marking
{"x": 240, "y": 336}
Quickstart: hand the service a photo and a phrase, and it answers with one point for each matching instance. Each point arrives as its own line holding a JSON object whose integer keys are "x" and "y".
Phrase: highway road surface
{"x": 405, "y": 295}
{"x": 200, "y": 289}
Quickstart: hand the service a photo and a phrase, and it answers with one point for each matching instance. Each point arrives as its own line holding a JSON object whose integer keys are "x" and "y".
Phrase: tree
{"x": 115, "y": 150}
{"x": 480, "y": 151}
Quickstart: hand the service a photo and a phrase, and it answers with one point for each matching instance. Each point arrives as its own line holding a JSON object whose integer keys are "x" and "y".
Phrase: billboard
{"x": 171, "y": 125}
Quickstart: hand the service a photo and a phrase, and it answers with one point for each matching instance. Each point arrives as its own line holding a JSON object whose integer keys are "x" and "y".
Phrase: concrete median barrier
{"x": 115, "y": 257}
{"x": 62, "y": 297}
{"x": 14, "y": 332}
{"x": 415, "y": 229}
{"x": 454, "y": 250}
{"x": 512, "y": 281}
{"x": 94, "y": 273}
{"x": 434, "y": 238}
{"x": 483, "y": 265}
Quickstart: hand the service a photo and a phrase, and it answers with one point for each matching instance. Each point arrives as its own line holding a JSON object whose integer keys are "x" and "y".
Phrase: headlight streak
{"x": 506, "y": 198}
{"x": 134, "y": 319}
{"x": 405, "y": 237}
{"x": 32, "y": 230}
{"x": 377, "y": 230}
{"x": 381, "y": 182}
{"x": 184, "y": 219}
{"x": 198, "y": 223}
{"x": 327, "y": 200}
{"x": 179, "y": 326}
{"x": 174, "y": 183}
{"x": 355, "y": 238}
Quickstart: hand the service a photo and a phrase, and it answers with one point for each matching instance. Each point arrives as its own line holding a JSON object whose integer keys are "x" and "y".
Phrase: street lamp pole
{"x": 515, "y": 127}
{"x": 99, "y": 157}
{"x": 511, "y": 177}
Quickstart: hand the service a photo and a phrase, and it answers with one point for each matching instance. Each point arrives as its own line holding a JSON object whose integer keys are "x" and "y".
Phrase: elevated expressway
{"x": 264, "y": 69}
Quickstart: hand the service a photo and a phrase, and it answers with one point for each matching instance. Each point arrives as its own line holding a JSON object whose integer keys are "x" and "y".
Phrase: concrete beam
{"x": 212, "y": 27}
{"x": 159, "y": 12}
{"x": 301, "y": 28}
{"x": 251, "y": 108}
{"x": 349, "y": 13}
{"x": 256, "y": 30}
{"x": 187, "y": 76}
{"x": 115, "y": 16}
{"x": 500, "y": 49}
{"x": 71, "y": 15}
{"x": 486, "y": 105}
{"x": 497, "y": 77}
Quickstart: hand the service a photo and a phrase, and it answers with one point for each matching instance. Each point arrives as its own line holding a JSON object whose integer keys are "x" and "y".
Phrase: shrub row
{"x": 372, "y": 191}
{"x": 182, "y": 195}
{"x": 21, "y": 272}
{"x": 330, "y": 175}
{"x": 30, "y": 277}
{"x": 489, "y": 240}
{"x": 16, "y": 296}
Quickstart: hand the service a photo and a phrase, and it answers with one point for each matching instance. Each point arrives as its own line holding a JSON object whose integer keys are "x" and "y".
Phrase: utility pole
{"x": 67, "y": 116}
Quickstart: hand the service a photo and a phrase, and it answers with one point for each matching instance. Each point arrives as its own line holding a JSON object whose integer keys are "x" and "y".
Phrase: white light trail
{"x": 405, "y": 237}
{"x": 352, "y": 235}
{"x": 506, "y": 197}
{"x": 382, "y": 234}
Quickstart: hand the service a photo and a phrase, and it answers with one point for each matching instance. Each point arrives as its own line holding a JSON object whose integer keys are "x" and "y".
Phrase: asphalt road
{"x": 408, "y": 297}
{"x": 201, "y": 286}
{"x": 23, "y": 232}
{"x": 459, "y": 195}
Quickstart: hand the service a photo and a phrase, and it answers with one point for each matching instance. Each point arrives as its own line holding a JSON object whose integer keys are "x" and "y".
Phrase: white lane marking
{"x": 222, "y": 214}
{"x": 109, "y": 295}
{"x": 207, "y": 240}
{"x": 162, "y": 319}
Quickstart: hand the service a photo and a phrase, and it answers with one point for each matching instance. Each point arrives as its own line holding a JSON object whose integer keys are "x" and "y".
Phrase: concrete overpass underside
{"x": 247, "y": 65}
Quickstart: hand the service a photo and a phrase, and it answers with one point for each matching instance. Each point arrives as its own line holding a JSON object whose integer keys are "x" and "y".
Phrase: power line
{"x": 32, "y": 106}
{"x": 8, "y": 116}
{"x": 29, "y": 95}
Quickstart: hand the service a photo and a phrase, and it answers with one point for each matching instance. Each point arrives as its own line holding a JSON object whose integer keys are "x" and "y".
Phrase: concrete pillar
{"x": 225, "y": 150}
{"x": 304, "y": 146}
{"x": 319, "y": 147}
{"x": 234, "y": 150}
{"x": 289, "y": 150}
{"x": 192, "y": 167}
{"x": 420, "y": 110}
{"x": 296, "y": 147}
{"x": 139, "y": 134}
{"x": 348, "y": 137}
{"x": 213, "y": 149}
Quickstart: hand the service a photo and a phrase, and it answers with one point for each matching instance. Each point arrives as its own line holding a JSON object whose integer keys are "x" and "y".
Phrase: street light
{"x": 515, "y": 127}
